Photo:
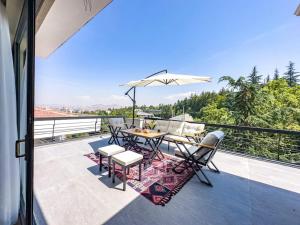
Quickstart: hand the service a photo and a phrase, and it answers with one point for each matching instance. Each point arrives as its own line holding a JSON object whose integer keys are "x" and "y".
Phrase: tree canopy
{"x": 291, "y": 75}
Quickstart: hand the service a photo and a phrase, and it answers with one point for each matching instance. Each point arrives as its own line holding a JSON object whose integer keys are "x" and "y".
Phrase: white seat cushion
{"x": 127, "y": 158}
{"x": 111, "y": 150}
{"x": 175, "y": 128}
{"x": 171, "y": 137}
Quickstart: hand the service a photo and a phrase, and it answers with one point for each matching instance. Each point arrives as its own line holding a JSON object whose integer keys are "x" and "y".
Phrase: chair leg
{"x": 110, "y": 141}
{"x": 109, "y": 166}
{"x": 140, "y": 171}
{"x": 124, "y": 178}
{"x": 215, "y": 169}
{"x": 100, "y": 163}
{"x": 177, "y": 165}
{"x": 117, "y": 141}
{"x": 168, "y": 146}
{"x": 206, "y": 181}
{"x": 114, "y": 171}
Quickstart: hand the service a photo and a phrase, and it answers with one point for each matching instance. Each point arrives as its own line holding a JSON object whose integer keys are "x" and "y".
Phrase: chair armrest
{"x": 193, "y": 143}
{"x": 183, "y": 141}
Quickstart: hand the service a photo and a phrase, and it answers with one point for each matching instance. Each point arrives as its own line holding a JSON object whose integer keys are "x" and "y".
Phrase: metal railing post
{"x": 278, "y": 147}
{"x": 96, "y": 126}
{"x": 53, "y": 127}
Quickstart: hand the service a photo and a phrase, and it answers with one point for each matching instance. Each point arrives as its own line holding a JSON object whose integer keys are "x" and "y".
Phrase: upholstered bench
{"x": 126, "y": 160}
{"x": 109, "y": 151}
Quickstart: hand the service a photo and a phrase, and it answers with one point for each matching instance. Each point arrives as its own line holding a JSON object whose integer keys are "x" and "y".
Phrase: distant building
{"x": 144, "y": 114}
{"x": 183, "y": 117}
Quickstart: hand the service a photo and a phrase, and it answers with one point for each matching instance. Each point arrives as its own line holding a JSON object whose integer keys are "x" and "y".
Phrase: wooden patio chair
{"x": 199, "y": 155}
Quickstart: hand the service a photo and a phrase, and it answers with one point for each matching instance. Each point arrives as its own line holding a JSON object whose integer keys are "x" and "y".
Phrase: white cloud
{"x": 180, "y": 95}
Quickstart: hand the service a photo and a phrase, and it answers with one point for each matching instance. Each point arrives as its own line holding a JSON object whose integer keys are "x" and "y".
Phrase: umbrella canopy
{"x": 167, "y": 79}
{"x": 159, "y": 79}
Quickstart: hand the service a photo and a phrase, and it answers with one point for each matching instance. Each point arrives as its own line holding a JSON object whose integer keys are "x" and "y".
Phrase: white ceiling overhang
{"x": 297, "y": 13}
{"x": 58, "y": 20}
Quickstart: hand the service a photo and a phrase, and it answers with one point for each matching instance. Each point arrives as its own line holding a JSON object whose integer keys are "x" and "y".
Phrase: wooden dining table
{"x": 152, "y": 138}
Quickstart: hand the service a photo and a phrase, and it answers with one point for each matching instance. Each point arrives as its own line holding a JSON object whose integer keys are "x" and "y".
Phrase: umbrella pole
{"x": 133, "y": 101}
{"x": 133, "y": 108}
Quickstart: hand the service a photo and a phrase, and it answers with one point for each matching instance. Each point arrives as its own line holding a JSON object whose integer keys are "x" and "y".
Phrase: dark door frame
{"x": 27, "y": 23}
{"x": 30, "y": 110}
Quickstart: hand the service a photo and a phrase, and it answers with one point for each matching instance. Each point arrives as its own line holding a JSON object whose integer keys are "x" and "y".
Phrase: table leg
{"x": 155, "y": 149}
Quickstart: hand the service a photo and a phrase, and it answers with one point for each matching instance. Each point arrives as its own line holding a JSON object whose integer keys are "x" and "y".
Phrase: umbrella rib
{"x": 149, "y": 83}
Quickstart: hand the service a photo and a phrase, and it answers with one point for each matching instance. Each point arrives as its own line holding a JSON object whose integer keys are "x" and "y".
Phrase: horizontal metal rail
{"x": 75, "y": 117}
{"x": 267, "y": 143}
{"x": 236, "y": 127}
{"x": 51, "y": 127}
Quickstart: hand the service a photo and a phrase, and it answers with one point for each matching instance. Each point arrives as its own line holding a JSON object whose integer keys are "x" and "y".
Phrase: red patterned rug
{"x": 159, "y": 182}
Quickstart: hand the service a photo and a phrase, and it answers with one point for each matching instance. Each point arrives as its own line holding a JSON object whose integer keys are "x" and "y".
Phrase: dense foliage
{"x": 246, "y": 101}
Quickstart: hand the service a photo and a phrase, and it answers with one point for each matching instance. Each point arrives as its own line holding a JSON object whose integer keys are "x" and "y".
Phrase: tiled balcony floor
{"x": 70, "y": 190}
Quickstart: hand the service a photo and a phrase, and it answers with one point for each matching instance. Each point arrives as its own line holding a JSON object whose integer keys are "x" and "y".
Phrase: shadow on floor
{"x": 98, "y": 144}
{"x": 232, "y": 200}
{"x": 104, "y": 177}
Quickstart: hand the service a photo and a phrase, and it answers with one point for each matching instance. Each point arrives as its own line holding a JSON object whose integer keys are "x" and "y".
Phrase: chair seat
{"x": 127, "y": 158}
{"x": 171, "y": 137}
{"x": 111, "y": 150}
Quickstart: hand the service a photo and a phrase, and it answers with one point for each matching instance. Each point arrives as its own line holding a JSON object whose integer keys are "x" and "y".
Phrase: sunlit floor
{"x": 70, "y": 190}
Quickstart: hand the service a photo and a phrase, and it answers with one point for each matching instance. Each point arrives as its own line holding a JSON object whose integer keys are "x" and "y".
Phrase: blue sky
{"x": 130, "y": 40}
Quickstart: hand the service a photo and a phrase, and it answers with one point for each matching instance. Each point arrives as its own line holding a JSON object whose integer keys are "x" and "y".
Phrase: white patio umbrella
{"x": 167, "y": 79}
{"x": 160, "y": 79}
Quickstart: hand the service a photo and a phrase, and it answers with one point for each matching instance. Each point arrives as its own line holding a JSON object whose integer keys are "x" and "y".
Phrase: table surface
{"x": 148, "y": 134}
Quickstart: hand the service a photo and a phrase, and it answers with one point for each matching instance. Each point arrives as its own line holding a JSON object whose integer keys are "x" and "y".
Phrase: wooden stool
{"x": 109, "y": 151}
{"x": 126, "y": 160}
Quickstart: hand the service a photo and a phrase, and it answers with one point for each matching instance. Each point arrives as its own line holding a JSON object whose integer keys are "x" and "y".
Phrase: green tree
{"x": 267, "y": 79}
{"x": 244, "y": 97}
{"x": 291, "y": 75}
{"x": 254, "y": 78}
{"x": 276, "y": 74}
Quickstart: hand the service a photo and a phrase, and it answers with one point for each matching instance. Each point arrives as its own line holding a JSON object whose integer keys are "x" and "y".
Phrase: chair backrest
{"x": 117, "y": 122}
{"x": 138, "y": 123}
{"x": 191, "y": 128}
{"x": 175, "y": 127}
{"x": 212, "y": 139}
{"x": 162, "y": 125}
